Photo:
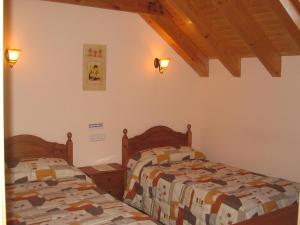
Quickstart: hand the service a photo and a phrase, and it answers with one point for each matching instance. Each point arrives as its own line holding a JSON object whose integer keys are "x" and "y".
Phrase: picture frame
{"x": 94, "y": 67}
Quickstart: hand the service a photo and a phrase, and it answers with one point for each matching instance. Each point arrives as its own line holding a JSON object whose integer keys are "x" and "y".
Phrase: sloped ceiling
{"x": 199, "y": 30}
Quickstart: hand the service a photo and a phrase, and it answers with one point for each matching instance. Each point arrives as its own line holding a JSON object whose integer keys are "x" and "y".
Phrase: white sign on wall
{"x": 96, "y": 132}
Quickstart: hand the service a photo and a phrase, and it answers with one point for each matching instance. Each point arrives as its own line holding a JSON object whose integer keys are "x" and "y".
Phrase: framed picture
{"x": 94, "y": 67}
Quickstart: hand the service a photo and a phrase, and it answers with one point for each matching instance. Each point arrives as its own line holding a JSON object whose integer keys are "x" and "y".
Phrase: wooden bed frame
{"x": 30, "y": 146}
{"x": 163, "y": 136}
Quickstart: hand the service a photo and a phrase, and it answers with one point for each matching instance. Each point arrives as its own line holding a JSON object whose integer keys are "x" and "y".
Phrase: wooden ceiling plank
{"x": 179, "y": 42}
{"x": 286, "y": 20}
{"x": 186, "y": 10}
{"x": 239, "y": 17}
{"x": 137, "y": 6}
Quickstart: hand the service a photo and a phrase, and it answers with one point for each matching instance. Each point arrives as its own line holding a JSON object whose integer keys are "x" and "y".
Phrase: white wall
{"x": 253, "y": 122}
{"x": 44, "y": 93}
{"x": 2, "y": 181}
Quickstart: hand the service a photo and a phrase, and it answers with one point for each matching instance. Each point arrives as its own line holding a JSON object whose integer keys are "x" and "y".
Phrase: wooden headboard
{"x": 30, "y": 146}
{"x": 154, "y": 137}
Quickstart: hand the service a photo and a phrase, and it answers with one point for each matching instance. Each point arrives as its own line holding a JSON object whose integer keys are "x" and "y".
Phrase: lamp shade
{"x": 12, "y": 56}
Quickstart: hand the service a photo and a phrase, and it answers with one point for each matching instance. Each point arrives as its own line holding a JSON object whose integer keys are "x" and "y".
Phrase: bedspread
{"x": 194, "y": 190}
{"x": 67, "y": 201}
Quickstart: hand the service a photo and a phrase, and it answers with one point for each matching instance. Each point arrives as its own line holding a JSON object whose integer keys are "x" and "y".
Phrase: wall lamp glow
{"x": 161, "y": 64}
{"x": 12, "y": 56}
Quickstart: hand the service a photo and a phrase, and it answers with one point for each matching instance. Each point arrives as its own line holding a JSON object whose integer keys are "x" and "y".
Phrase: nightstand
{"x": 108, "y": 177}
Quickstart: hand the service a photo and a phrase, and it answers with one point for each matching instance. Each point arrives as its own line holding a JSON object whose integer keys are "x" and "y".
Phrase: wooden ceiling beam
{"x": 296, "y": 3}
{"x": 187, "y": 9}
{"x": 250, "y": 31}
{"x": 179, "y": 42}
{"x": 137, "y": 6}
{"x": 287, "y": 21}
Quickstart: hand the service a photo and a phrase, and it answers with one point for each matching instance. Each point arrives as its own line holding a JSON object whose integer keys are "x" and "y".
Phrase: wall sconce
{"x": 161, "y": 64}
{"x": 12, "y": 56}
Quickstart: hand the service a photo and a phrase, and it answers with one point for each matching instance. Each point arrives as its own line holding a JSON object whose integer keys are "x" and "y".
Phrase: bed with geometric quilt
{"x": 178, "y": 185}
{"x": 49, "y": 191}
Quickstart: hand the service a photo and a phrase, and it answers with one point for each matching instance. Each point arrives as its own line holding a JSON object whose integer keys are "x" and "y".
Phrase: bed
{"x": 43, "y": 188}
{"x": 175, "y": 184}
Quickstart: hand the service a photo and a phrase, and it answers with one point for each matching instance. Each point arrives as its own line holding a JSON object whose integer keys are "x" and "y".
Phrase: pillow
{"x": 41, "y": 169}
{"x": 32, "y": 163}
{"x": 164, "y": 154}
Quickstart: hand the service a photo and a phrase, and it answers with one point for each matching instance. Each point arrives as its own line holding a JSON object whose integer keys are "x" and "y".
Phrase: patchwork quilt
{"x": 70, "y": 199}
{"x": 180, "y": 186}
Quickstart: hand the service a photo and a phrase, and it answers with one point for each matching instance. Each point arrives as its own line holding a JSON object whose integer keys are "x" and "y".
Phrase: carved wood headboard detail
{"x": 154, "y": 137}
{"x": 30, "y": 146}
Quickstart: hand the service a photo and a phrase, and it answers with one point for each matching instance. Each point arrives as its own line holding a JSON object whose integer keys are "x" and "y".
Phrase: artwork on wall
{"x": 94, "y": 67}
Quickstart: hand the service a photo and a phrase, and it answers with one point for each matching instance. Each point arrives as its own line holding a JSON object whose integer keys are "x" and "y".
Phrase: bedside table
{"x": 108, "y": 179}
